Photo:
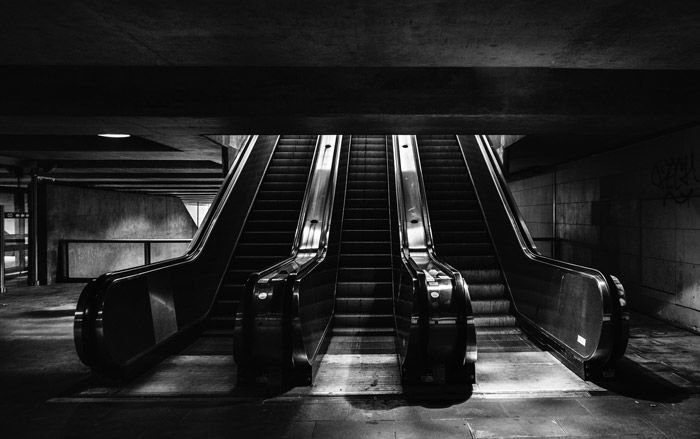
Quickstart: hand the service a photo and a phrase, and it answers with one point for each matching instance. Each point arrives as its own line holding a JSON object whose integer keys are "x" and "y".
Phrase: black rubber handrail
{"x": 127, "y": 320}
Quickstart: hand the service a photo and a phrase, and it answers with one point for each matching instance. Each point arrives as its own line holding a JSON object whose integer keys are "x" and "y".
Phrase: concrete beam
{"x": 192, "y": 101}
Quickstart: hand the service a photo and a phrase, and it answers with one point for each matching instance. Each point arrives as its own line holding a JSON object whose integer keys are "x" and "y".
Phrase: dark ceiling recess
{"x": 130, "y": 164}
{"x": 539, "y": 153}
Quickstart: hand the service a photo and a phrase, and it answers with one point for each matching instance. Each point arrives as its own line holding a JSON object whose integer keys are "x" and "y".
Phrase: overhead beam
{"x": 240, "y": 100}
{"x": 138, "y": 164}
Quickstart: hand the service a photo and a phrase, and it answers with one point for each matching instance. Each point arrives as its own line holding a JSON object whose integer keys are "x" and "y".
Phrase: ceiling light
{"x": 115, "y": 136}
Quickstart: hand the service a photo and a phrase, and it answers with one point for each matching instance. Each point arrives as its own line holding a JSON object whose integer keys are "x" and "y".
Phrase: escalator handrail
{"x": 609, "y": 303}
{"x": 214, "y": 211}
{"x": 272, "y": 294}
{"x": 88, "y": 327}
{"x": 519, "y": 224}
{"x": 419, "y": 256}
{"x": 301, "y": 258}
{"x": 428, "y": 243}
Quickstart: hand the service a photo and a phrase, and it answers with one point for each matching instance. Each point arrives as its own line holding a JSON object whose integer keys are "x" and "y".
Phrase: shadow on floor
{"x": 633, "y": 380}
{"x": 48, "y": 313}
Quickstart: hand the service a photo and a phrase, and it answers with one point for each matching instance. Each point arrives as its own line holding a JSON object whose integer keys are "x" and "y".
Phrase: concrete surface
{"x": 619, "y": 34}
{"x": 186, "y": 101}
{"x": 634, "y": 213}
{"x": 84, "y": 213}
{"x": 655, "y": 396}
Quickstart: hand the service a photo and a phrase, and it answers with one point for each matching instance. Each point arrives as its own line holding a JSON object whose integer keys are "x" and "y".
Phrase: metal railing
{"x": 66, "y": 258}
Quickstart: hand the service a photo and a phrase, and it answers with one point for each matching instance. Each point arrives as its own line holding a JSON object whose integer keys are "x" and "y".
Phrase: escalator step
{"x": 221, "y": 322}
{"x": 277, "y": 205}
{"x": 366, "y": 213}
{"x": 363, "y": 331}
{"x": 270, "y": 228}
{"x": 286, "y": 168}
{"x": 365, "y": 274}
{"x": 472, "y": 215}
{"x": 260, "y": 236}
{"x": 484, "y": 307}
{"x": 449, "y": 225}
{"x": 280, "y": 186}
{"x": 279, "y": 194}
{"x": 363, "y": 289}
{"x": 487, "y": 291}
{"x": 497, "y": 330}
{"x": 367, "y": 344}
{"x": 267, "y": 249}
{"x": 476, "y": 236}
{"x": 369, "y": 247}
{"x": 348, "y": 260}
{"x": 367, "y": 185}
{"x": 491, "y": 320}
{"x": 350, "y": 235}
{"x": 460, "y": 233}
{"x": 363, "y": 320}
{"x": 224, "y": 308}
{"x": 364, "y": 305}
{"x": 481, "y": 276}
{"x": 367, "y": 203}
{"x": 281, "y": 215}
{"x": 282, "y": 224}
{"x": 473, "y": 262}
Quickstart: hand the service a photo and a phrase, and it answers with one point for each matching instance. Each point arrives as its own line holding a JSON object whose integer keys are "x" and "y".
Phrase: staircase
{"x": 268, "y": 233}
{"x": 460, "y": 235}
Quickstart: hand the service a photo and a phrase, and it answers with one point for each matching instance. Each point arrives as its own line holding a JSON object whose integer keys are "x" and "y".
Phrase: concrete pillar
{"x": 33, "y": 275}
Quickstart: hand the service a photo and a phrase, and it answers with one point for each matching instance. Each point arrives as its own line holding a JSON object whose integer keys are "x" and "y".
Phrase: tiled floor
{"x": 655, "y": 394}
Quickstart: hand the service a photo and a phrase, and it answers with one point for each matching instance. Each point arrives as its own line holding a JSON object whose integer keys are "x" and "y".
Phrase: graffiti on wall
{"x": 676, "y": 177}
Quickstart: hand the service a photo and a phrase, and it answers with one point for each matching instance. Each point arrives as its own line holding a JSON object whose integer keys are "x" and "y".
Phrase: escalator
{"x": 361, "y": 355}
{"x": 524, "y": 303}
{"x": 352, "y": 264}
{"x": 128, "y": 321}
{"x": 462, "y": 239}
{"x": 363, "y": 305}
{"x": 395, "y": 316}
{"x": 268, "y": 233}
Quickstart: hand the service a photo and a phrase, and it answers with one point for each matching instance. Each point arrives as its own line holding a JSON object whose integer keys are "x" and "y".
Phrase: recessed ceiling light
{"x": 115, "y": 136}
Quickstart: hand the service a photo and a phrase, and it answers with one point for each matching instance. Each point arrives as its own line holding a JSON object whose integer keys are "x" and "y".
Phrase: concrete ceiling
{"x": 137, "y": 164}
{"x": 603, "y": 34}
{"x": 173, "y": 72}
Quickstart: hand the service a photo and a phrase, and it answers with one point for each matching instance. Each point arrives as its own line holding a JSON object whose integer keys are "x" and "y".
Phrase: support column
{"x": 2, "y": 251}
{"x": 226, "y": 158}
{"x": 33, "y": 275}
{"x": 554, "y": 213}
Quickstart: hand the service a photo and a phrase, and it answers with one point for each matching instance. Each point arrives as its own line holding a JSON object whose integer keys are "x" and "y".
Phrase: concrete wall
{"x": 82, "y": 213}
{"x": 534, "y": 198}
{"x": 633, "y": 212}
